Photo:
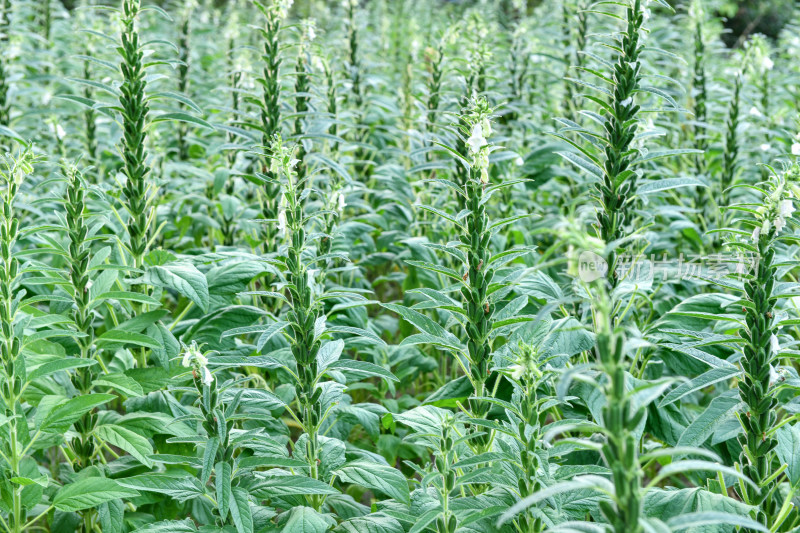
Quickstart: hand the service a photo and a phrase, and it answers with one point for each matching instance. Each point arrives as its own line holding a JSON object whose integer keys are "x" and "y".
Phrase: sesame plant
{"x": 414, "y": 266}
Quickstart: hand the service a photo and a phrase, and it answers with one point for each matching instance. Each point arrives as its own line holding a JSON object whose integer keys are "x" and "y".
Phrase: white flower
{"x": 519, "y": 161}
{"x": 765, "y": 226}
{"x": 88, "y": 286}
{"x": 786, "y": 208}
{"x": 311, "y": 30}
{"x": 774, "y": 376}
{"x": 193, "y": 357}
{"x": 740, "y": 267}
{"x": 756, "y": 234}
{"x": 774, "y": 344}
{"x": 60, "y": 131}
{"x": 767, "y": 63}
{"x": 311, "y": 274}
{"x": 293, "y": 162}
{"x": 342, "y": 203}
{"x": 628, "y": 101}
{"x": 754, "y": 112}
{"x": 517, "y": 371}
{"x": 484, "y": 175}
{"x": 646, "y": 14}
{"x": 282, "y": 221}
{"x": 208, "y": 377}
{"x": 779, "y": 223}
{"x": 477, "y": 140}
{"x": 282, "y": 7}
{"x": 796, "y": 149}
{"x": 765, "y": 147}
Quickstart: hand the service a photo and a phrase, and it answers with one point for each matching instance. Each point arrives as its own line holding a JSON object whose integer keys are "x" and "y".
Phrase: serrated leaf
{"x": 90, "y": 492}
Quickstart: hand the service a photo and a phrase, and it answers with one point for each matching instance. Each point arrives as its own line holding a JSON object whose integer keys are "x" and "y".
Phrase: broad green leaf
{"x": 374, "y": 476}
{"x": 180, "y": 487}
{"x": 125, "y": 439}
{"x": 273, "y": 486}
{"x": 307, "y": 520}
{"x": 362, "y": 367}
{"x": 90, "y": 492}
{"x": 240, "y": 510}
{"x": 63, "y": 415}
{"x": 183, "y": 278}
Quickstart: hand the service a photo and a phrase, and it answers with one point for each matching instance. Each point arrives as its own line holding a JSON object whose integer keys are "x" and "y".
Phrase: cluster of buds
{"x": 281, "y": 8}
{"x": 779, "y": 204}
{"x": 527, "y": 365}
{"x": 758, "y": 49}
{"x": 196, "y": 360}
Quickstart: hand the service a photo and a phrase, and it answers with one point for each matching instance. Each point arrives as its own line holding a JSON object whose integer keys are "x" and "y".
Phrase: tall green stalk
{"x": 302, "y": 88}
{"x": 12, "y": 175}
{"x": 270, "y": 111}
{"x": 306, "y": 321}
{"x": 184, "y": 52}
{"x": 5, "y": 82}
{"x": 761, "y": 349}
{"x": 82, "y": 446}
{"x": 475, "y": 240}
{"x": 618, "y": 182}
{"x": 730, "y": 154}
{"x": 133, "y": 104}
{"x": 620, "y": 448}
{"x": 699, "y": 86}
{"x": 353, "y": 63}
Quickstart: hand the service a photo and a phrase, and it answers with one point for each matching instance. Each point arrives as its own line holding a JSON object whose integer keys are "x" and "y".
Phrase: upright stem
{"x": 133, "y": 102}
{"x": 618, "y": 185}
{"x": 270, "y": 120}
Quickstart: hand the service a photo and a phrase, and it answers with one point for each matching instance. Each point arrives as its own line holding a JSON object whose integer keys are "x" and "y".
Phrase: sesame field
{"x": 399, "y": 266}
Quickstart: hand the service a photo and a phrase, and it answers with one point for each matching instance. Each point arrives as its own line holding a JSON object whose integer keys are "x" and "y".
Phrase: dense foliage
{"x": 397, "y": 266}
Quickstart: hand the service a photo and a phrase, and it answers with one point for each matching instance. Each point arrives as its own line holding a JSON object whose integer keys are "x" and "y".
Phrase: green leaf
{"x": 127, "y": 296}
{"x": 788, "y": 437}
{"x": 240, "y": 510}
{"x": 180, "y": 487}
{"x": 715, "y": 375}
{"x": 116, "y": 336}
{"x": 274, "y": 486}
{"x": 363, "y": 368}
{"x": 665, "y": 184}
{"x": 184, "y": 278}
{"x": 713, "y": 518}
{"x": 209, "y": 457}
{"x": 222, "y": 482}
{"x": 169, "y": 526}
{"x": 372, "y": 523}
{"x": 125, "y": 439}
{"x": 63, "y": 415}
{"x": 58, "y": 365}
{"x": 90, "y": 492}
{"x": 704, "y": 425}
{"x": 121, "y": 383}
{"x": 307, "y": 520}
{"x": 382, "y": 478}
{"x": 183, "y": 117}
